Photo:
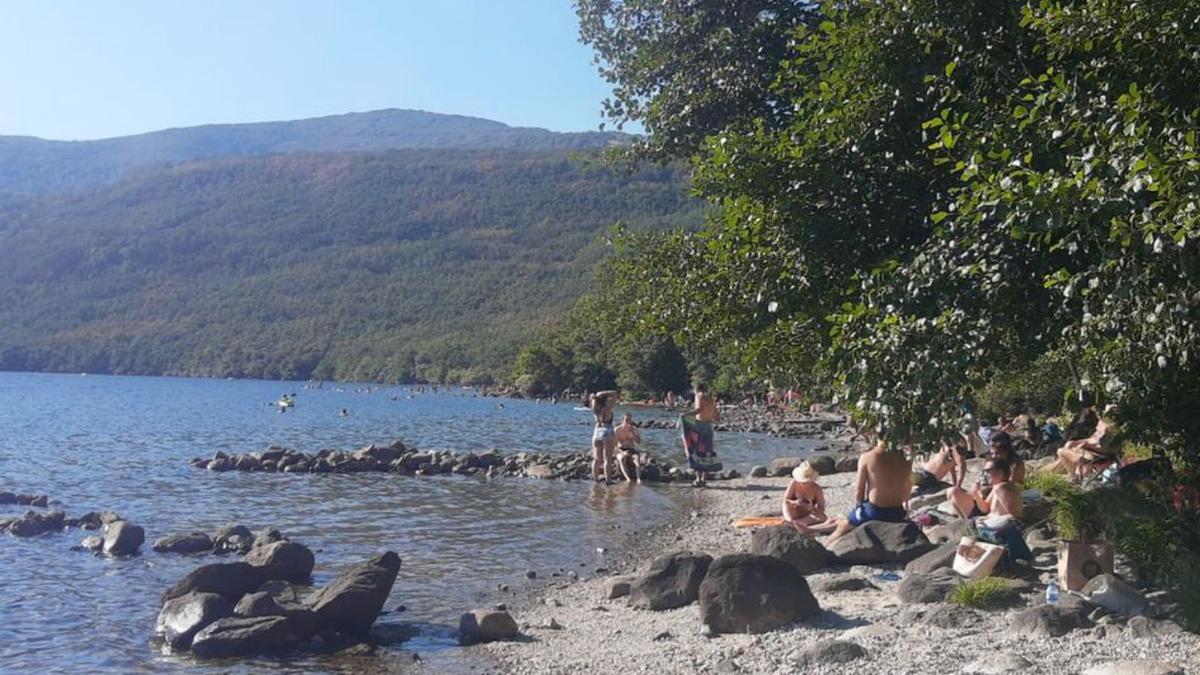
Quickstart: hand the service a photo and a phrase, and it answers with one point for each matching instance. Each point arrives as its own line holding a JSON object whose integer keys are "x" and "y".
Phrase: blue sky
{"x": 81, "y": 69}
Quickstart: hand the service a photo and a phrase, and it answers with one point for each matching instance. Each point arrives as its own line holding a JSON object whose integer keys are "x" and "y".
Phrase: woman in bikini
{"x": 804, "y": 502}
{"x": 604, "y": 438}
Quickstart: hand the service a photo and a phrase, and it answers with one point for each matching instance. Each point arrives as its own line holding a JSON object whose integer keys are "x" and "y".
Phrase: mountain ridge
{"x": 33, "y": 165}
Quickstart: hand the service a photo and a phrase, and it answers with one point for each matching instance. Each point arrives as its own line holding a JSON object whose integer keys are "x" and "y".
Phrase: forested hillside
{"x": 38, "y": 166}
{"x": 430, "y": 264}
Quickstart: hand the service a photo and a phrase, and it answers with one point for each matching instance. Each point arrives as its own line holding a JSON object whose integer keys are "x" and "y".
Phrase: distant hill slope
{"x": 435, "y": 264}
{"x": 36, "y": 166}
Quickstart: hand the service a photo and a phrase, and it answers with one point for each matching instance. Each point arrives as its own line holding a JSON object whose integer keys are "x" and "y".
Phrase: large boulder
{"x": 292, "y": 561}
{"x": 747, "y": 593}
{"x": 265, "y": 536}
{"x": 484, "y": 625}
{"x": 350, "y": 603}
{"x": 878, "y": 542}
{"x": 229, "y": 580}
{"x": 182, "y": 617}
{"x": 123, "y": 538}
{"x": 799, "y": 550}
{"x": 262, "y": 603}
{"x": 782, "y": 466}
{"x": 939, "y": 558}
{"x": 193, "y": 542}
{"x": 673, "y": 580}
{"x": 237, "y": 636}
{"x": 823, "y": 464}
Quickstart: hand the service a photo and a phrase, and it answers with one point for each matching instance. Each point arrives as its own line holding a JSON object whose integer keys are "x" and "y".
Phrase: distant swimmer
{"x": 344, "y": 413}
{"x": 499, "y": 406}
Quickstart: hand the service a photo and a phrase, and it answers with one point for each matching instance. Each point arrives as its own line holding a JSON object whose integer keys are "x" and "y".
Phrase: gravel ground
{"x": 600, "y": 635}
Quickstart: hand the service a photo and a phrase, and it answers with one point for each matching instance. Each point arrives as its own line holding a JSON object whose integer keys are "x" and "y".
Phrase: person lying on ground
{"x": 804, "y": 502}
{"x": 1077, "y": 457}
{"x": 949, "y": 460}
{"x": 881, "y": 489}
{"x": 629, "y": 458}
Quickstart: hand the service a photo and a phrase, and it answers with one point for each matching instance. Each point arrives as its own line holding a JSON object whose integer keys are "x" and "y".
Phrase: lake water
{"x": 123, "y": 443}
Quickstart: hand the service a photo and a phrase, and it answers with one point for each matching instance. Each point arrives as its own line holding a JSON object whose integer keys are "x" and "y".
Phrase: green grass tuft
{"x": 986, "y": 592}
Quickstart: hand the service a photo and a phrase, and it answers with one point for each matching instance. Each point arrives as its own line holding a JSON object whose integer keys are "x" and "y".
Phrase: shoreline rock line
{"x": 407, "y": 461}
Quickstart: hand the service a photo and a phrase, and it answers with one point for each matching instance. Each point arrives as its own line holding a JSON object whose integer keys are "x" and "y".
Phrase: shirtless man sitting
{"x": 627, "y": 453}
{"x": 881, "y": 489}
{"x": 949, "y": 460}
{"x": 999, "y": 511}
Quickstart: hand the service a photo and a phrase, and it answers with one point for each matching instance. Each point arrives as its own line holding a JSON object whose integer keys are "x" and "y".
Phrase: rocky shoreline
{"x": 866, "y": 615}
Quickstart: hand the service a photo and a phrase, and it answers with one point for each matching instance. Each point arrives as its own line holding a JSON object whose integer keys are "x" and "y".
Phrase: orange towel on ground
{"x": 758, "y": 521}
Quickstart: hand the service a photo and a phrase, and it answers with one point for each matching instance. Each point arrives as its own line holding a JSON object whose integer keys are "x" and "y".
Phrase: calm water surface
{"x": 122, "y": 443}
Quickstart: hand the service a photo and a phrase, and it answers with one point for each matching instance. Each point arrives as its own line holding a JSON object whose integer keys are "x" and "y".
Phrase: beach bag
{"x": 1079, "y": 561}
{"x": 976, "y": 559}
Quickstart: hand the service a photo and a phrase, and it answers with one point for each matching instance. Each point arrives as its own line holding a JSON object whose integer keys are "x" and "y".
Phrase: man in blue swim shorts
{"x": 881, "y": 489}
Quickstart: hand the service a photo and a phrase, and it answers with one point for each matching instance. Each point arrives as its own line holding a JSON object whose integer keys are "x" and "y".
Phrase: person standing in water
{"x": 698, "y": 439}
{"x": 604, "y": 439}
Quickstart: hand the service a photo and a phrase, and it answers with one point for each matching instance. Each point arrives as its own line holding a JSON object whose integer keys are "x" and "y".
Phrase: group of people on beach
{"x": 887, "y": 480}
{"x": 620, "y": 443}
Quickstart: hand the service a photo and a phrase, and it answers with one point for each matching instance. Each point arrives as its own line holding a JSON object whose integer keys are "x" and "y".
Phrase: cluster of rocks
{"x": 766, "y": 587}
{"x": 118, "y": 538}
{"x": 400, "y": 459}
{"x": 11, "y": 498}
{"x": 227, "y": 539}
{"x": 259, "y": 605}
{"x": 823, "y": 464}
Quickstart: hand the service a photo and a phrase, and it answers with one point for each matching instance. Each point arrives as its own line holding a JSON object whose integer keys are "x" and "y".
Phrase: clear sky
{"x": 82, "y": 69}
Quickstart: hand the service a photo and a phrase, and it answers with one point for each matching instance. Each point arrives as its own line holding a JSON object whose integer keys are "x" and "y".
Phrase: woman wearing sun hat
{"x": 804, "y": 502}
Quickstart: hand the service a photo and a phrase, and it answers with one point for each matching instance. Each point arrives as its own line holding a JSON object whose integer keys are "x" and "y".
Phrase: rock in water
{"x": 34, "y": 523}
{"x": 261, "y": 603}
{"x": 92, "y": 543}
{"x": 483, "y": 625}
{"x": 230, "y": 580}
{"x": 194, "y": 542}
{"x": 877, "y": 542}
{"x": 239, "y": 637}
{"x": 292, "y": 561}
{"x": 829, "y": 651}
{"x": 799, "y": 550}
{"x": 233, "y": 538}
{"x": 758, "y": 472}
{"x": 672, "y": 581}
{"x": 181, "y": 618}
{"x": 123, "y": 538}
{"x": 350, "y": 603}
{"x": 746, "y": 593}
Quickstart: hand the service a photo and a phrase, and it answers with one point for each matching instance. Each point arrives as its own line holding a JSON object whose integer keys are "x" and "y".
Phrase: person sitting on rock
{"x": 629, "y": 458}
{"x": 998, "y": 512}
{"x": 1001, "y": 448}
{"x": 949, "y": 460}
{"x": 881, "y": 489}
{"x": 804, "y": 502}
{"x": 1099, "y": 448}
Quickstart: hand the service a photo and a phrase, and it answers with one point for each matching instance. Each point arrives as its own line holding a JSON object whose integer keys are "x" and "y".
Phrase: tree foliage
{"x": 928, "y": 194}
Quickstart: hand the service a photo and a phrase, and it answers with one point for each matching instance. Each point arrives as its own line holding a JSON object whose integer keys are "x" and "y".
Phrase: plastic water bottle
{"x": 1052, "y": 593}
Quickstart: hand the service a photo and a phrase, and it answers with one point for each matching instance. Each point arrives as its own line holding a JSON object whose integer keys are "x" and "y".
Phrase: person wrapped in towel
{"x": 697, "y": 429}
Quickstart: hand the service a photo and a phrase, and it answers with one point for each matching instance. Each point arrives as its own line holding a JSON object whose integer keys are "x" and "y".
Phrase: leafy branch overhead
{"x": 913, "y": 198}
